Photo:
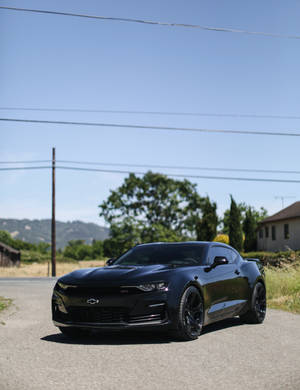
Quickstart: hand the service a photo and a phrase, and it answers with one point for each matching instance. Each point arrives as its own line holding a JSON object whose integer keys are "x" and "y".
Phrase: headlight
{"x": 158, "y": 286}
{"x": 65, "y": 286}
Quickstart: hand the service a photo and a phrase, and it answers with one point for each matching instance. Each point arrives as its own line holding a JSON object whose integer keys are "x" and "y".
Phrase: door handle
{"x": 237, "y": 272}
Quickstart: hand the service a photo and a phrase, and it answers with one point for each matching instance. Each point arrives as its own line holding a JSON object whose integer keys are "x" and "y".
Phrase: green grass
{"x": 283, "y": 287}
{"x": 4, "y": 303}
{"x": 29, "y": 257}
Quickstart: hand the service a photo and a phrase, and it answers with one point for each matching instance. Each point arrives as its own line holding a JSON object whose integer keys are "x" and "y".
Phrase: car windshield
{"x": 163, "y": 254}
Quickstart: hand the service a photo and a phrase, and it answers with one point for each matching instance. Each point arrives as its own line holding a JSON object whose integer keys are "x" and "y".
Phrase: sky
{"x": 50, "y": 61}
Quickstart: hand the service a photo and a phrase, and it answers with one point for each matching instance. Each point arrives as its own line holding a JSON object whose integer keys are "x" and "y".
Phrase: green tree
{"x": 249, "y": 228}
{"x": 258, "y": 215}
{"x": 235, "y": 226}
{"x": 6, "y": 238}
{"x": 43, "y": 247}
{"x": 97, "y": 247}
{"x": 207, "y": 225}
{"x": 143, "y": 206}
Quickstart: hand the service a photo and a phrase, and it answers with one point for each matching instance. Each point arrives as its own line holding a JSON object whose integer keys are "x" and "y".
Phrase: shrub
{"x": 222, "y": 238}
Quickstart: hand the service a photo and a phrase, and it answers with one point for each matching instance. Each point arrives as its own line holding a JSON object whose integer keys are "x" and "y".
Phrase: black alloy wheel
{"x": 257, "y": 312}
{"x": 190, "y": 315}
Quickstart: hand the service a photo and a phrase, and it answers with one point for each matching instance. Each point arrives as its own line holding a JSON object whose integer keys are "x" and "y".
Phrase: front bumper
{"x": 111, "y": 311}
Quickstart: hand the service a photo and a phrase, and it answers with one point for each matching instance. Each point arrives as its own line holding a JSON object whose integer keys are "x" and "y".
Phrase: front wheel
{"x": 190, "y": 315}
{"x": 257, "y": 312}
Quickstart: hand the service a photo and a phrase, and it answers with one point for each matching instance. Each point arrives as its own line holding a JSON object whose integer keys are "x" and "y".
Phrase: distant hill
{"x": 36, "y": 231}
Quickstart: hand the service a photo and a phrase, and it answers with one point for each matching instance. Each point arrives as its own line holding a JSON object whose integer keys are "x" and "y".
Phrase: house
{"x": 281, "y": 231}
{"x": 9, "y": 256}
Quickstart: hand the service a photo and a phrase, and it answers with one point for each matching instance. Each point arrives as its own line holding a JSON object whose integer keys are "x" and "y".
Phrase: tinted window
{"x": 232, "y": 255}
{"x": 217, "y": 251}
{"x": 163, "y": 254}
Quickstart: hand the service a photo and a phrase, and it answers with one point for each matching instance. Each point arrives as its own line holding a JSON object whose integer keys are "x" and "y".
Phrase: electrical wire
{"x": 23, "y": 168}
{"x": 150, "y": 127}
{"x": 151, "y": 22}
{"x": 166, "y": 113}
{"x": 143, "y": 173}
{"x": 156, "y": 166}
{"x": 26, "y": 162}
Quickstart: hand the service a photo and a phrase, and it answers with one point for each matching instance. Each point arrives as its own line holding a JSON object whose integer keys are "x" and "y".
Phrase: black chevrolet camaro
{"x": 179, "y": 287}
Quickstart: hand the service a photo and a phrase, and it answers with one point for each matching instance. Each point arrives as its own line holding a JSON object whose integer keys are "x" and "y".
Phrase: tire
{"x": 257, "y": 312}
{"x": 190, "y": 315}
{"x": 72, "y": 332}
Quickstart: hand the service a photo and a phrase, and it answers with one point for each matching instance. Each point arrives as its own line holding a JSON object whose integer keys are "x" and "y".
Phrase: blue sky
{"x": 62, "y": 62}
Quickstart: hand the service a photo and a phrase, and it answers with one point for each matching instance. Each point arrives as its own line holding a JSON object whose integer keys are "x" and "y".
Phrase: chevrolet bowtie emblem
{"x": 92, "y": 301}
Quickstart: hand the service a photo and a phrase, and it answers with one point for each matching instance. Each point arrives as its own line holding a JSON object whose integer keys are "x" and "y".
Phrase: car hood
{"x": 117, "y": 273}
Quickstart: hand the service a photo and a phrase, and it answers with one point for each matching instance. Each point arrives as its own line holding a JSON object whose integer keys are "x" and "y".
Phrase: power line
{"x": 167, "y": 113}
{"x": 183, "y": 176}
{"x": 151, "y": 22}
{"x": 150, "y": 127}
{"x": 25, "y": 162}
{"x": 169, "y": 174}
{"x": 180, "y": 167}
{"x": 157, "y": 166}
{"x": 23, "y": 168}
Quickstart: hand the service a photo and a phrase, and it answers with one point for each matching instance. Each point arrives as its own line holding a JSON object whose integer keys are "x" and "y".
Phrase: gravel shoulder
{"x": 34, "y": 355}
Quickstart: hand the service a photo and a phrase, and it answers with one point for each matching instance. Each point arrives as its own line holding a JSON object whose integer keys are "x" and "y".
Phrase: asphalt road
{"x": 229, "y": 355}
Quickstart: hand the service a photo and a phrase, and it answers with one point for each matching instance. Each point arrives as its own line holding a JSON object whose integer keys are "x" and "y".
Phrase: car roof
{"x": 202, "y": 243}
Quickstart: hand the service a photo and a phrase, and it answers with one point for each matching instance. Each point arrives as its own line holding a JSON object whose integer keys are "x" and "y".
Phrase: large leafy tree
{"x": 152, "y": 208}
{"x": 235, "y": 226}
{"x": 207, "y": 225}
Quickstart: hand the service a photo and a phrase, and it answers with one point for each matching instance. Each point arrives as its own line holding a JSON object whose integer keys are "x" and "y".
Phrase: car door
{"x": 221, "y": 287}
{"x": 240, "y": 285}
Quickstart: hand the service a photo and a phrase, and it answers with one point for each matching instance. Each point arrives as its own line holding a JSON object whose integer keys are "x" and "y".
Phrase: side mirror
{"x": 110, "y": 261}
{"x": 219, "y": 260}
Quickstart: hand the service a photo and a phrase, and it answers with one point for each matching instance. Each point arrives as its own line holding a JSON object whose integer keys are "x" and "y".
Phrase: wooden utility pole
{"x": 53, "y": 229}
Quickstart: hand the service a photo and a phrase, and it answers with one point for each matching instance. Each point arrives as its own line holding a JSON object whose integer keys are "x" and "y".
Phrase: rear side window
{"x": 234, "y": 255}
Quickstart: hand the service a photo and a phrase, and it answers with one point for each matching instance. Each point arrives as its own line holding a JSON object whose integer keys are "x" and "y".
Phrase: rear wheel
{"x": 257, "y": 312}
{"x": 72, "y": 332}
{"x": 190, "y": 315}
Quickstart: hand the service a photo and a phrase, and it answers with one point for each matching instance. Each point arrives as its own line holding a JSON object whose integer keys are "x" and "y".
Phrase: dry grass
{"x": 41, "y": 269}
{"x": 283, "y": 288}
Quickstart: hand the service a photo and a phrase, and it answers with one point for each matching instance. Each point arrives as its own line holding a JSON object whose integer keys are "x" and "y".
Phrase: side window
{"x": 211, "y": 255}
{"x": 267, "y": 231}
{"x": 219, "y": 251}
{"x": 232, "y": 255}
{"x": 273, "y": 233}
{"x": 286, "y": 231}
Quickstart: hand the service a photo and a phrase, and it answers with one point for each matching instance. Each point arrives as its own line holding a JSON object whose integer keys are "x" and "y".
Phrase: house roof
{"x": 292, "y": 211}
{"x": 8, "y": 248}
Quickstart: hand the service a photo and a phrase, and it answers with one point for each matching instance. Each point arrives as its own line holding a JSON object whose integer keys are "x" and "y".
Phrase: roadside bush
{"x": 275, "y": 259}
{"x": 28, "y": 257}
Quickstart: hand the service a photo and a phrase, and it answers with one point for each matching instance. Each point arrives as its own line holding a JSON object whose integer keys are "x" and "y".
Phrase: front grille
{"x": 145, "y": 318}
{"x": 108, "y": 315}
{"x": 103, "y": 315}
{"x": 90, "y": 291}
